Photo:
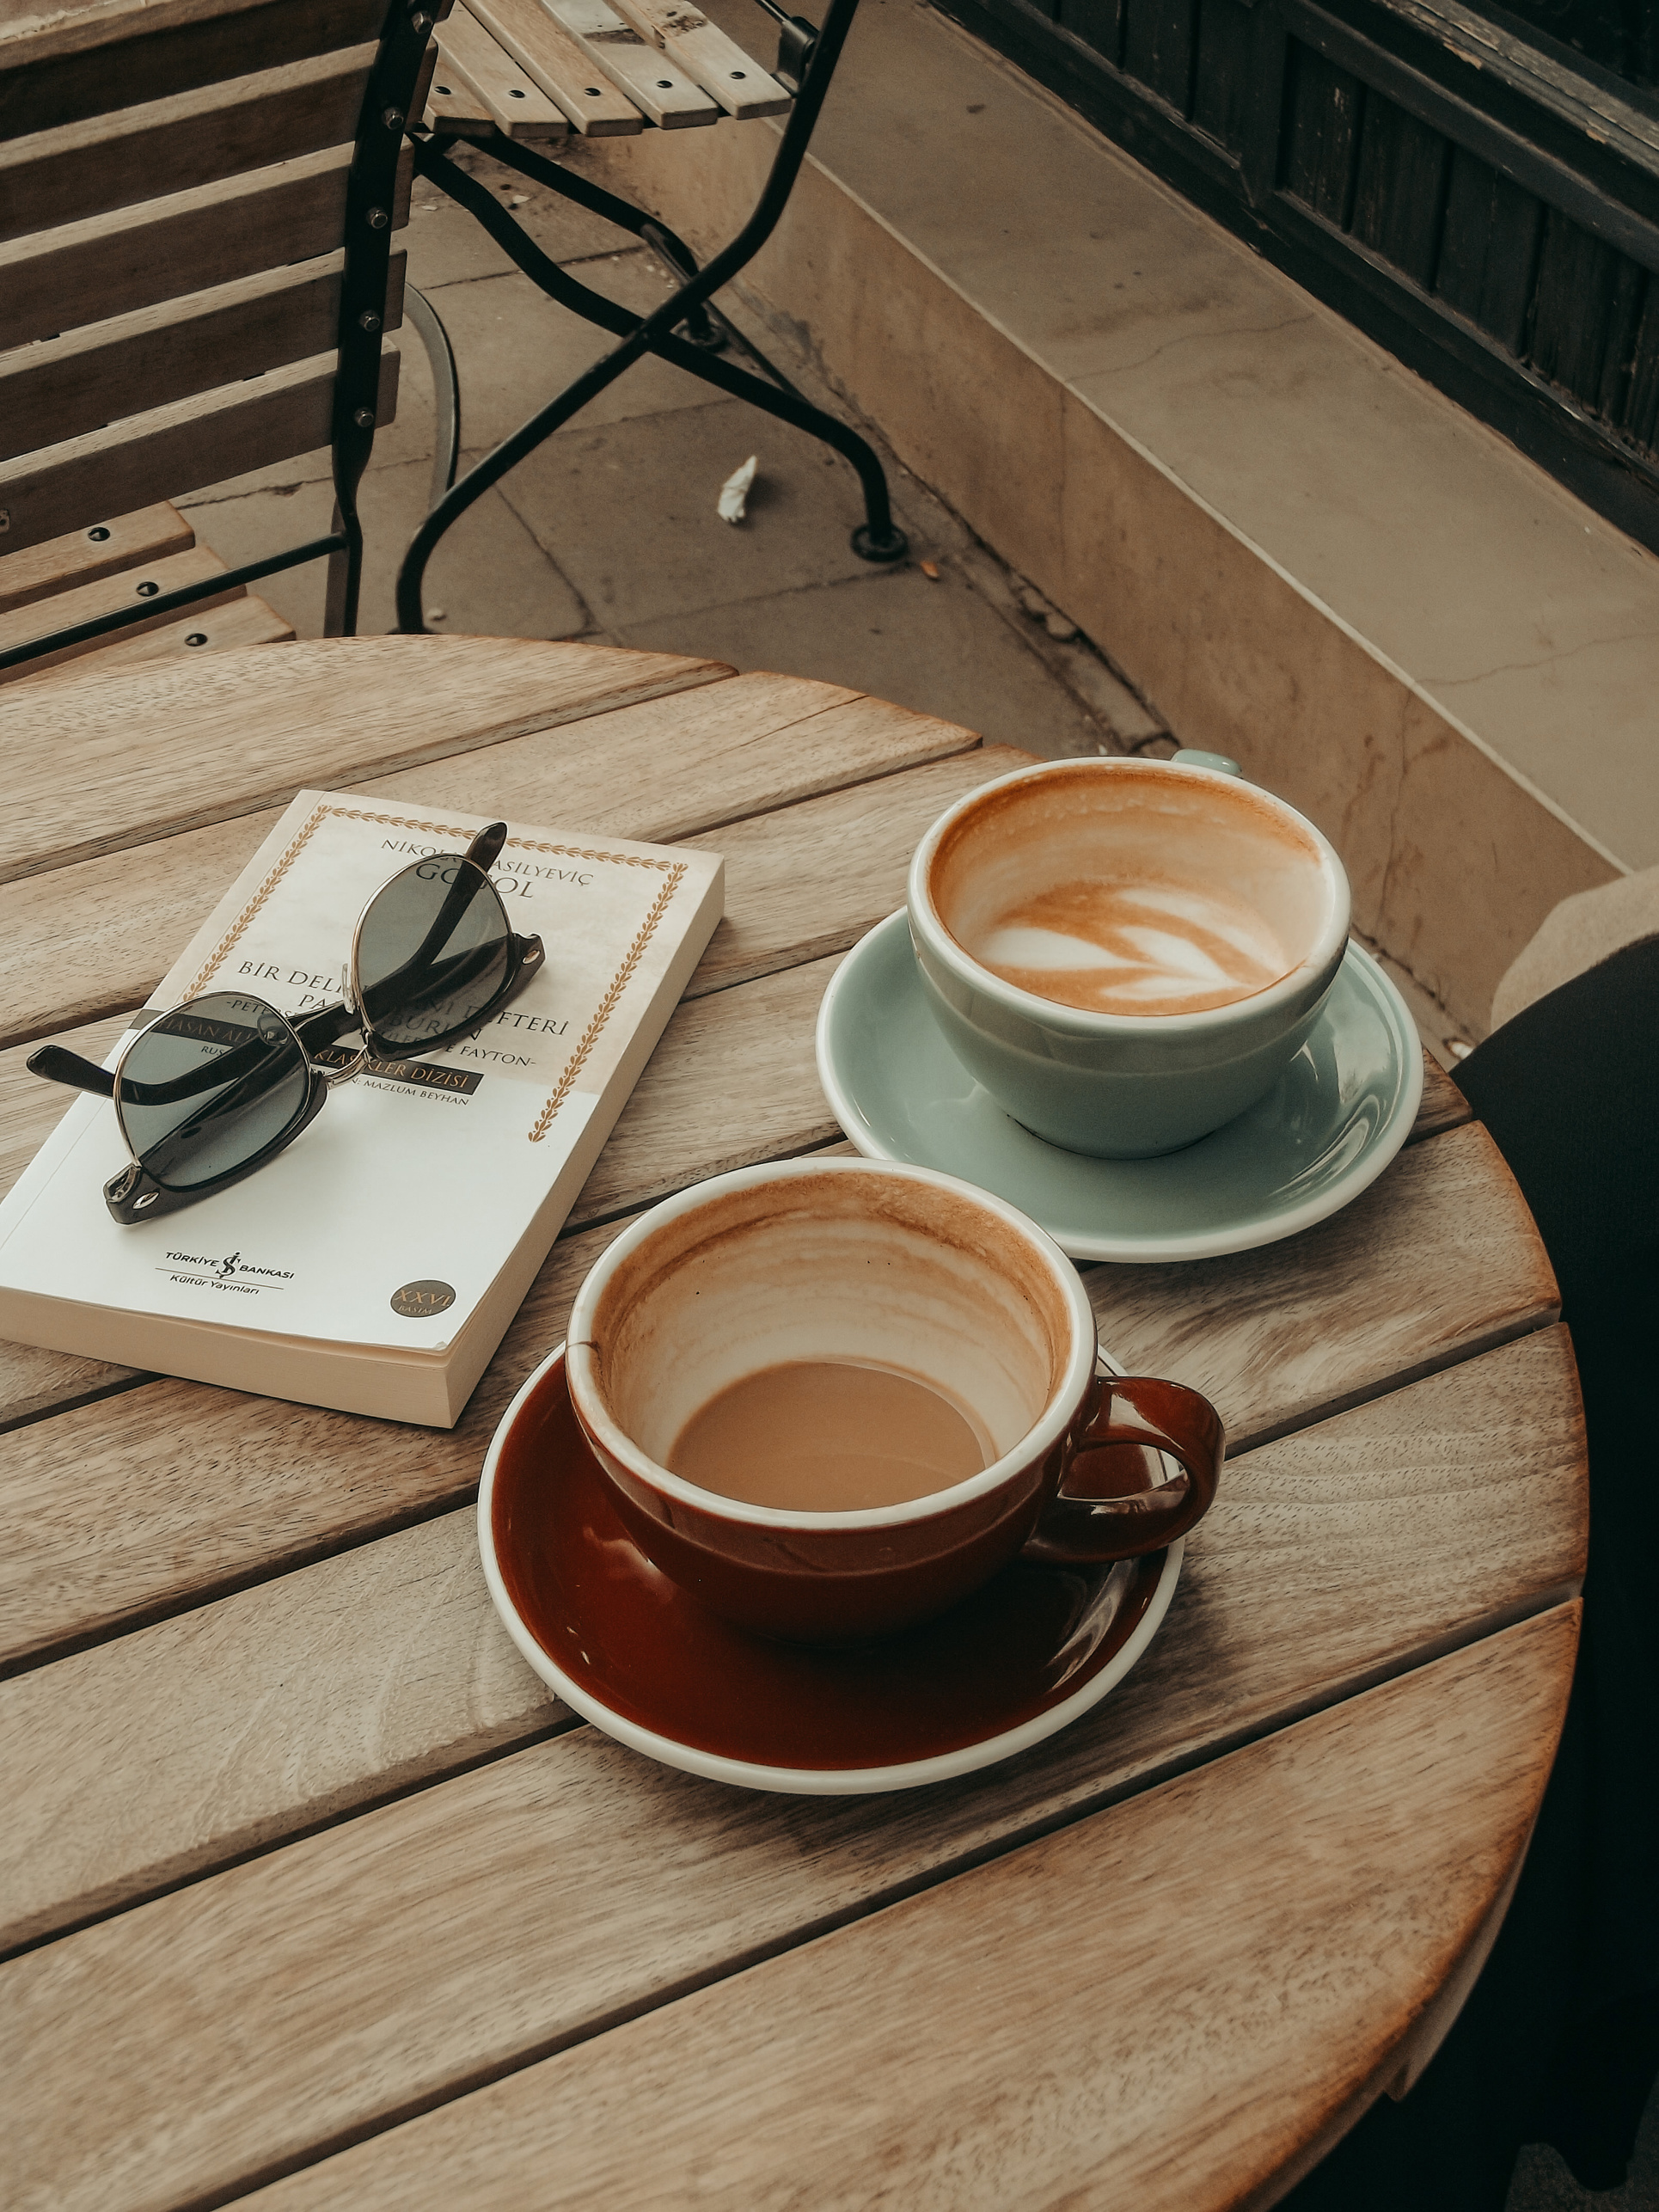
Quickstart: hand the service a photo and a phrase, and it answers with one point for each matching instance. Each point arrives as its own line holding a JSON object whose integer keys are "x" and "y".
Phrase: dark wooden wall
{"x": 1489, "y": 212}
{"x": 1621, "y": 36}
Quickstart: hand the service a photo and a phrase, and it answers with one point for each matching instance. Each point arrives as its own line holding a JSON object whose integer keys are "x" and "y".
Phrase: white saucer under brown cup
{"x": 1126, "y": 954}
{"x": 882, "y": 1378}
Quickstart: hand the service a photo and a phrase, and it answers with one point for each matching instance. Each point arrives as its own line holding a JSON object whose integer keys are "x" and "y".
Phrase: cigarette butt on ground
{"x": 735, "y": 490}
{"x": 930, "y": 570}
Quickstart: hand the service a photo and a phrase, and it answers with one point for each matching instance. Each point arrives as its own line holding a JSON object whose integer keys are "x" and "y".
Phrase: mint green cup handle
{"x": 1187, "y": 758}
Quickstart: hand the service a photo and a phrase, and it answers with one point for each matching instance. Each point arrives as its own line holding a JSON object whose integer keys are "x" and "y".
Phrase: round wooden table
{"x": 310, "y": 1890}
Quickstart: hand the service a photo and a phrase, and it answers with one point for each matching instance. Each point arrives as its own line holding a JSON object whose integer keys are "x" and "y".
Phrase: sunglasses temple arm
{"x": 58, "y": 1066}
{"x": 483, "y": 852}
{"x": 315, "y": 1030}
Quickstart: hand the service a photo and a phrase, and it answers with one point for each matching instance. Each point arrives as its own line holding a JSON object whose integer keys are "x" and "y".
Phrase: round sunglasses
{"x": 209, "y": 1091}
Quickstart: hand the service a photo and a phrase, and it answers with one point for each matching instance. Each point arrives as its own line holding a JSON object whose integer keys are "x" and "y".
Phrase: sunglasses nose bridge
{"x": 332, "y": 1076}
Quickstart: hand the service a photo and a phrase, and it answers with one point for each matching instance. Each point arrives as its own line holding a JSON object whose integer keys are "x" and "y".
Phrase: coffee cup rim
{"x": 927, "y": 923}
{"x": 1044, "y": 1433}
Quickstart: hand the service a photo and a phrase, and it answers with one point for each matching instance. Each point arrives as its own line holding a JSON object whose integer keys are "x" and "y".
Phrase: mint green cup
{"x": 1122, "y": 1086}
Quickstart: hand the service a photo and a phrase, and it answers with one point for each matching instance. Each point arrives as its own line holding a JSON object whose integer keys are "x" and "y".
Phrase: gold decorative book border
{"x": 674, "y": 870}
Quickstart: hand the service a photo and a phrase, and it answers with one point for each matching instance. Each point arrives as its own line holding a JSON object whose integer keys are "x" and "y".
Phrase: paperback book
{"x": 374, "y": 1264}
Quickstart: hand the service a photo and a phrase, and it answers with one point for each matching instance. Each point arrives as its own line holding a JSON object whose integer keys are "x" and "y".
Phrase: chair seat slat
{"x": 455, "y": 111}
{"x": 513, "y": 100}
{"x": 224, "y": 626}
{"x": 548, "y": 55}
{"x": 654, "y": 82}
{"x": 703, "y": 51}
{"x": 62, "y": 564}
{"x": 85, "y": 602}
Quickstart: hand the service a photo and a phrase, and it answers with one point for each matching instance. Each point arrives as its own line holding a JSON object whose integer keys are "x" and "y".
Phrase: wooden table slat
{"x": 1443, "y": 1106}
{"x": 734, "y": 1080}
{"x": 35, "y": 1384}
{"x": 811, "y": 878}
{"x": 101, "y": 761}
{"x": 127, "y": 1508}
{"x": 1438, "y": 1259}
{"x": 1431, "y": 1513}
{"x": 79, "y": 941}
{"x": 188, "y": 1489}
{"x": 1010, "y": 2043}
{"x": 124, "y": 1509}
{"x": 298, "y": 1848}
{"x": 314, "y": 1994}
{"x": 686, "y": 765}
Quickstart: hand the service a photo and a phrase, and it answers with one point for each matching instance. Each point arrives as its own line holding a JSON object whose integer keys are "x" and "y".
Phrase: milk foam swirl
{"x": 1134, "y": 948}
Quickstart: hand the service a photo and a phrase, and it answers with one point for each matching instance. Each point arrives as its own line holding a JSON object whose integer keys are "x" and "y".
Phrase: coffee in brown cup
{"x": 832, "y": 1397}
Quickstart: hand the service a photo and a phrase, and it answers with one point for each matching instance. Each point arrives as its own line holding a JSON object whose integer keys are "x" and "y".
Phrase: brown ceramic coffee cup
{"x": 873, "y": 1264}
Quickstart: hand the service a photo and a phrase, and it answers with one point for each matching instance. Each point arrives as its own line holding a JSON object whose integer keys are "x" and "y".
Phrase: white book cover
{"x": 374, "y": 1263}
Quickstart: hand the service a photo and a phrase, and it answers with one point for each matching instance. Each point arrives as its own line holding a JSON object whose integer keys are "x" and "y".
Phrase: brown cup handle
{"x": 1127, "y": 1415}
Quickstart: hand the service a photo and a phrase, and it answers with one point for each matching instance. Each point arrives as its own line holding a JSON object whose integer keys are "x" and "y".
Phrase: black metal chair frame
{"x": 367, "y": 243}
{"x": 686, "y": 330}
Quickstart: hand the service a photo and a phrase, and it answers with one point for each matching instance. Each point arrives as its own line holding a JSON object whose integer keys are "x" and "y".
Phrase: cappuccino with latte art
{"x": 1128, "y": 946}
{"x": 1126, "y": 954}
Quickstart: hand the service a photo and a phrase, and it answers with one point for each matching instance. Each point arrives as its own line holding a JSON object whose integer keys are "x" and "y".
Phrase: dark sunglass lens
{"x": 431, "y": 953}
{"x": 209, "y": 1087}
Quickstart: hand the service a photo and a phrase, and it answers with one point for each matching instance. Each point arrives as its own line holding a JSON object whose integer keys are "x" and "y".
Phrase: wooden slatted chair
{"x": 197, "y": 201}
{"x": 516, "y": 75}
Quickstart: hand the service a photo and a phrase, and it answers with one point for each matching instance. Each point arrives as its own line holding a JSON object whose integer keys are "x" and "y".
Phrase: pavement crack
{"x": 589, "y": 621}
{"x": 1390, "y": 849}
{"x": 1546, "y": 660}
{"x": 1198, "y": 337}
{"x": 252, "y": 492}
{"x": 607, "y": 254}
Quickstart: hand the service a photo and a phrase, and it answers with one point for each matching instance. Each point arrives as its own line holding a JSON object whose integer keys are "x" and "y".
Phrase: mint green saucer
{"x": 1327, "y": 1129}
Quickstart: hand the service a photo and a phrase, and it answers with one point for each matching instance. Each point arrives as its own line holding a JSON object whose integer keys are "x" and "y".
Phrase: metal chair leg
{"x": 705, "y": 328}
{"x": 877, "y": 538}
{"x": 419, "y": 310}
{"x": 345, "y": 575}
